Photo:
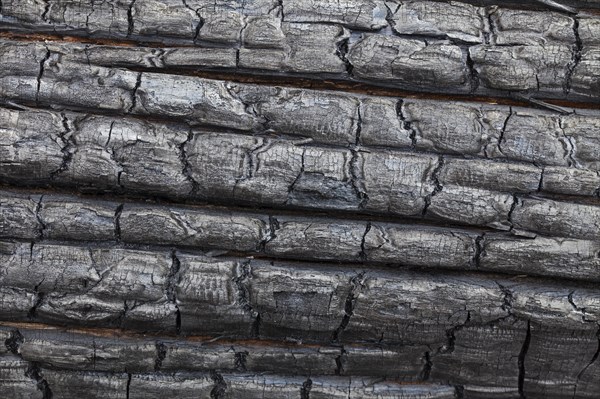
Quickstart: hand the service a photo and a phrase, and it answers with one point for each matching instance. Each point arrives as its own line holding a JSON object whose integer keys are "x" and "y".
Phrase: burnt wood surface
{"x": 299, "y": 199}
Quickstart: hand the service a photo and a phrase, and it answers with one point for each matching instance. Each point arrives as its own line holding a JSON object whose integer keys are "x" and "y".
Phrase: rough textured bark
{"x": 299, "y": 199}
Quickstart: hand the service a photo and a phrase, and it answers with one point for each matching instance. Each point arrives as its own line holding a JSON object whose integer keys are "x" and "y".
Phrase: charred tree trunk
{"x": 299, "y": 199}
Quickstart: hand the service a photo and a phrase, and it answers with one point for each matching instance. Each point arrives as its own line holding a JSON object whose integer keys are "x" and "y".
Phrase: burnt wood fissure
{"x": 299, "y": 199}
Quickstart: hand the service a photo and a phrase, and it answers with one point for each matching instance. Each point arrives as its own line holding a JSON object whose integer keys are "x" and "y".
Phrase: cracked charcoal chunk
{"x": 73, "y": 351}
{"x": 381, "y": 124}
{"x": 178, "y": 235}
{"x": 351, "y": 13}
{"x": 521, "y": 68}
{"x": 562, "y": 378}
{"x": 398, "y": 184}
{"x": 514, "y": 27}
{"x": 585, "y": 75}
{"x": 21, "y": 69}
{"x": 305, "y": 49}
{"x": 455, "y": 128}
{"x": 490, "y": 175}
{"x": 472, "y": 206}
{"x": 452, "y": 19}
{"x": 14, "y": 382}
{"x": 209, "y": 299}
{"x": 83, "y": 86}
{"x": 63, "y": 218}
{"x": 164, "y": 58}
{"x": 487, "y": 357}
{"x": 140, "y": 224}
{"x": 170, "y": 18}
{"x": 88, "y": 286}
{"x": 194, "y": 100}
{"x": 589, "y": 31}
{"x": 534, "y": 137}
{"x": 18, "y": 216}
{"x": 15, "y": 304}
{"x": 545, "y": 256}
{"x": 129, "y": 154}
{"x": 325, "y": 117}
{"x": 326, "y": 241}
{"x": 569, "y": 181}
{"x": 91, "y": 384}
{"x": 413, "y": 63}
{"x": 419, "y": 246}
{"x": 558, "y": 218}
{"x": 274, "y": 290}
{"x": 31, "y": 145}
